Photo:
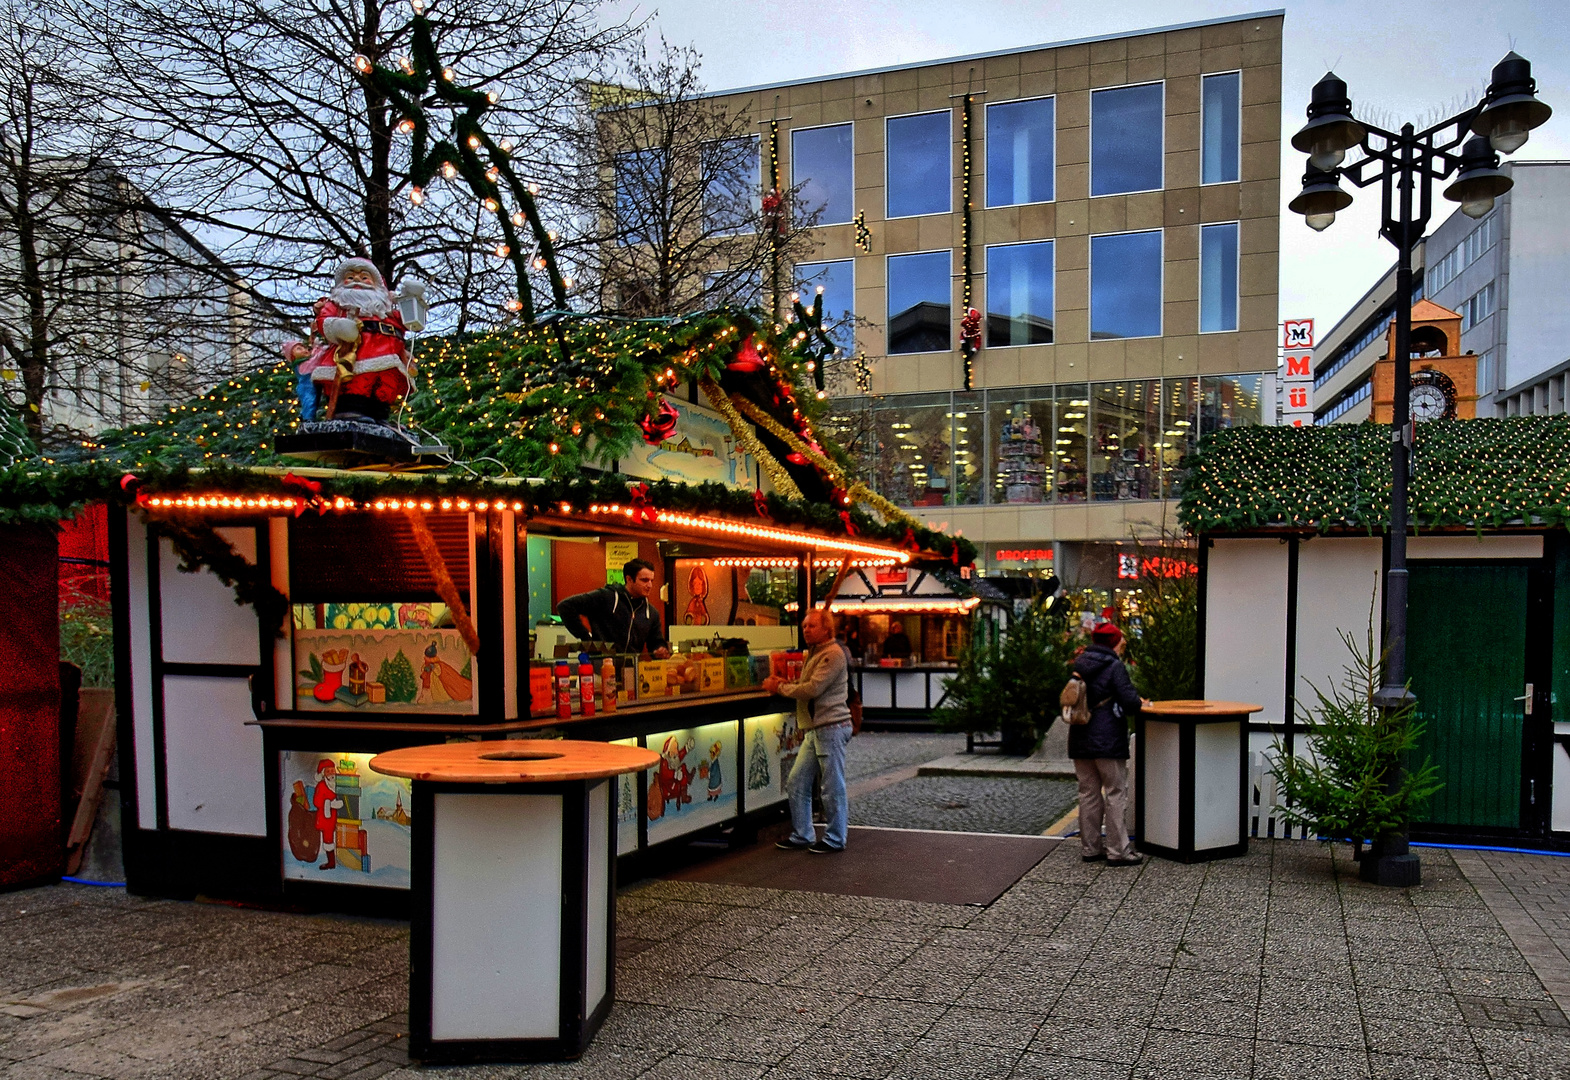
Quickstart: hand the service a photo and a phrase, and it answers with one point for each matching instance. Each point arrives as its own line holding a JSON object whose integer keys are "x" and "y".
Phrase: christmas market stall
{"x": 1293, "y": 546}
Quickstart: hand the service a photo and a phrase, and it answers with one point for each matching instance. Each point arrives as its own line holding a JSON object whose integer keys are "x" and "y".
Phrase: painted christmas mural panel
{"x": 343, "y": 823}
{"x": 626, "y": 806}
{"x": 383, "y": 670}
{"x": 694, "y": 785}
{"x": 772, "y": 742}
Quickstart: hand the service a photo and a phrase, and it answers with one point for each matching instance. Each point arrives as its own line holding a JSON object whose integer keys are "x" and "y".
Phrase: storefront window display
{"x": 1231, "y": 401}
{"x": 1021, "y": 444}
{"x": 1071, "y": 444}
{"x": 970, "y": 450}
{"x": 915, "y": 451}
{"x": 1123, "y": 461}
{"x": 1179, "y": 430}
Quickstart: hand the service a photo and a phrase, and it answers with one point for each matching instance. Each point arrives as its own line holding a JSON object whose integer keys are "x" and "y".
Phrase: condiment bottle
{"x": 586, "y": 684}
{"x": 563, "y": 690}
{"x": 608, "y": 684}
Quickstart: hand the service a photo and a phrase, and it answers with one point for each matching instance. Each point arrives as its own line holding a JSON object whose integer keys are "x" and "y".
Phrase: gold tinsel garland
{"x": 747, "y": 440}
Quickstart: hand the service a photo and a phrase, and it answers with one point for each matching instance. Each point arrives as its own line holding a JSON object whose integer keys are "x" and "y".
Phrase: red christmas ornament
{"x": 658, "y": 426}
{"x": 760, "y": 504}
{"x": 747, "y": 358}
{"x": 642, "y": 506}
{"x": 795, "y": 458}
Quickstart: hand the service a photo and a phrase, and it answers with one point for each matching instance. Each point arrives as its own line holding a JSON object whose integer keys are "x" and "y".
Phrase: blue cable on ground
{"x": 99, "y": 884}
{"x": 1489, "y": 847}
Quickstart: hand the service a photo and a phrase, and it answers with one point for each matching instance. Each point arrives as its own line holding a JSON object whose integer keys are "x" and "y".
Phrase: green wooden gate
{"x": 1466, "y": 657}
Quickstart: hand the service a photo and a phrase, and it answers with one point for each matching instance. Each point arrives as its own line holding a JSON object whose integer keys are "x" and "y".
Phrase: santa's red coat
{"x": 326, "y": 812}
{"x": 377, "y": 352}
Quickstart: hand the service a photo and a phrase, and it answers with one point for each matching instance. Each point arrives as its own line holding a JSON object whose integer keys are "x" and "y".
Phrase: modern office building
{"x": 1110, "y": 206}
{"x": 1503, "y": 274}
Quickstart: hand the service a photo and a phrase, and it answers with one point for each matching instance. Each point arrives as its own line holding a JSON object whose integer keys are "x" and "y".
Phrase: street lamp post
{"x": 1405, "y": 164}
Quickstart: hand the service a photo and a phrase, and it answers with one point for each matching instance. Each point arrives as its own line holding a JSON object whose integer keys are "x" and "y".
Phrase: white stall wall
{"x": 1246, "y": 624}
{"x": 212, "y": 760}
{"x": 201, "y": 622}
{"x": 1337, "y": 578}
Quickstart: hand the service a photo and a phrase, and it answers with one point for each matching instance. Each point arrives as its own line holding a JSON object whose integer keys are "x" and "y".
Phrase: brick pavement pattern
{"x": 1277, "y": 964}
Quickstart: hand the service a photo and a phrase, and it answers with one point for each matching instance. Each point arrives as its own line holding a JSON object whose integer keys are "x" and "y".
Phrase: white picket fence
{"x": 1265, "y": 818}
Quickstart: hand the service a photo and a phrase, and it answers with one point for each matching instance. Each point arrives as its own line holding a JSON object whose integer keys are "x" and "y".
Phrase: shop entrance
{"x": 1467, "y": 657}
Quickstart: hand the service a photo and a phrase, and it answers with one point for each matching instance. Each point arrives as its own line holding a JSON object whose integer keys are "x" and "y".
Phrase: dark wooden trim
{"x": 1139, "y": 783}
{"x": 1537, "y": 732}
{"x": 155, "y": 647}
{"x": 1186, "y": 788}
{"x": 490, "y": 686}
{"x": 125, "y": 719}
{"x": 1290, "y": 701}
{"x": 210, "y": 671}
{"x": 573, "y": 981}
{"x": 1202, "y": 614}
{"x": 422, "y": 900}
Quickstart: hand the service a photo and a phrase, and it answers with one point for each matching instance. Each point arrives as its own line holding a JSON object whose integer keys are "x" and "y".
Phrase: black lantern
{"x": 1330, "y": 131}
{"x": 1480, "y": 182}
{"x": 1510, "y": 108}
{"x": 1320, "y": 198}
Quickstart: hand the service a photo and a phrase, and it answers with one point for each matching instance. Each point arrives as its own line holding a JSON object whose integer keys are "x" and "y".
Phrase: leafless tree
{"x": 280, "y": 155}
{"x": 107, "y": 311}
{"x": 674, "y": 210}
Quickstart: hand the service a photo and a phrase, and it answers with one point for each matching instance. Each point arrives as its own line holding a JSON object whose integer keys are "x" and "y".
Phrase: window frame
{"x": 1091, "y": 141}
{"x": 986, "y": 144}
{"x": 851, "y": 262}
{"x": 986, "y": 256}
{"x": 622, "y": 239}
{"x": 888, "y": 315}
{"x": 1202, "y": 77}
{"x": 904, "y": 116}
{"x": 755, "y": 200}
{"x": 1090, "y": 272}
{"x": 1237, "y": 276}
{"x": 794, "y": 183}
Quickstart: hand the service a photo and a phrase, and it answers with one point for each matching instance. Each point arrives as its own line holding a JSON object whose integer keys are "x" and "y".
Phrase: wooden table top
{"x": 513, "y": 761}
{"x": 1196, "y": 708}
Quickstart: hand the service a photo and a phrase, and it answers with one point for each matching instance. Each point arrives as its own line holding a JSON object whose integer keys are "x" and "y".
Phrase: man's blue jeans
{"x": 822, "y": 750}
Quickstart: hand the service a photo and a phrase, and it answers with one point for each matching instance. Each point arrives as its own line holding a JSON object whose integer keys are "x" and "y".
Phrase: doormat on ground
{"x": 896, "y": 864}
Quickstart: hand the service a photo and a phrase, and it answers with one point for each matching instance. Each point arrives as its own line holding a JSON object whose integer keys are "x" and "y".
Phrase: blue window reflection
{"x": 1125, "y": 285}
{"x": 838, "y": 282}
{"x": 1218, "y": 277}
{"x": 1020, "y": 152}
{"x": 920, "y": 302}
{"x": 1126, "y": 140}
{"x": 1222, "y": 98}
{"x": 821, "y": 164}
{"x": 1019, "y": 294}
{"x": 641, "y": 189}
{"x": 920, "y": 169}
{"x": 732, "y": 176}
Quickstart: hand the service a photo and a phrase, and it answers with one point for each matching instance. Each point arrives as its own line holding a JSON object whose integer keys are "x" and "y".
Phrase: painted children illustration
{"x": 327, "y": 806}
{"x": 440, "y": 681}
{"x": 716, "y": 780}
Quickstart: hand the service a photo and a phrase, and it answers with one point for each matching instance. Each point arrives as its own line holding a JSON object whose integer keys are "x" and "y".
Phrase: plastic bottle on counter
{"x": 608, "y": 684}
{"x": 563, "y": 690}
{"x": 586, "y": 684}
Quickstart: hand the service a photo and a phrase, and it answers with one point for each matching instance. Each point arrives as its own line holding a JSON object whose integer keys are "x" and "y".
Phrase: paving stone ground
{"x": 1277, "y": 964}
{"x": 966, "y": 804}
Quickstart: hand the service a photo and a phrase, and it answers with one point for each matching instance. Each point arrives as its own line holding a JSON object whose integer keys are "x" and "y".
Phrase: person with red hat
{"x": 1100, "y": 749}
{"x": 327, "y": 806}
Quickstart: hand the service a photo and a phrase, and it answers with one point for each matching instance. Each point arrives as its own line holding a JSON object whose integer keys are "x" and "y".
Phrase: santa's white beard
{"x": 363, "y": 299}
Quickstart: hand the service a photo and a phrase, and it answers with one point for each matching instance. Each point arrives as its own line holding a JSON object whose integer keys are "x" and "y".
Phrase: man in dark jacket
{"x": 1100, "y": 749}
{"x": 620, "y": 616}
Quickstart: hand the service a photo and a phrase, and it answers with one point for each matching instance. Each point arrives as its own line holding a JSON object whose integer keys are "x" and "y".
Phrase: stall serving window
{"x": 370, "y": 631}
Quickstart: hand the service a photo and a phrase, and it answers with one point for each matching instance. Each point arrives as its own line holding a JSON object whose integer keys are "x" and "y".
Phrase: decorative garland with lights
{"x": 1472, "y": 474}
{"x": 749, "y": 442}
{"x": 968, "y": 340}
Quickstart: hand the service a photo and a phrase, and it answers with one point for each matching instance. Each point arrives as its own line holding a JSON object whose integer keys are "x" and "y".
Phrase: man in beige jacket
{"x": 823, "y": 715}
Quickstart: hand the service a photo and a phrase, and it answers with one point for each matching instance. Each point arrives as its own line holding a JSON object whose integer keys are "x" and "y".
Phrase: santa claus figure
{"x": 327, "y": 806}
{"x": 364, "y": 368}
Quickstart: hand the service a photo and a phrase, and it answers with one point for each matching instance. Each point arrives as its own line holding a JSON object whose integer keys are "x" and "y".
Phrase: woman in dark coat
{"x": 1100, "y": 749}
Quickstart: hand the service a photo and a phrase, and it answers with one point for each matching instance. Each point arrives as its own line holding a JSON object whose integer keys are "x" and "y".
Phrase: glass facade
{"x": 822, "y": 163}
{"x": 1019, "y": 294}
{"x": 920, "y": 168}
{"x": 732, "y": 185}
{"x": 1125, "y": 285}
{"x": 1069, "y": 443}
{"x": 1020, "y": 151}
{"x": 921, "y": 302}
{"x": 1221, "y": 128}
{"x": 640, "y": 184}
{"x": 1126, "y": 139}
{"x": 1218, "y": 266}
{"x": 838, "y": 281}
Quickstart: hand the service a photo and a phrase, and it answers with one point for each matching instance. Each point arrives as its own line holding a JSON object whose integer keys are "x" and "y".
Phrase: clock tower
{"x": 1444, "y": 382}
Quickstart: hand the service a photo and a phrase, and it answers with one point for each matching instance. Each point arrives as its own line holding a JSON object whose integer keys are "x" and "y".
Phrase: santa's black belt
{"x": 387, "y": 329}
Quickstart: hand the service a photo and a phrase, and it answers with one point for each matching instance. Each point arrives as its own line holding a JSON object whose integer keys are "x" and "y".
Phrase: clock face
{"x": 1428, "y": 402}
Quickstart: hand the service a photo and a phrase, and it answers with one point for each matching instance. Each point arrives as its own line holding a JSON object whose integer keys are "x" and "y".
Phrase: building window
{"x": 838, "y": 282}
{"x": 921, "y": 297}
{"x": 1023, "y": 433}
{"x": 1221, "y": 127}
{"x": 1349, "y": 400}
{"x": 732, "y": 183}
{"x": 1446, "y": 269}
{"x": 1485, "y": 373}
{"x": 642, "y": 188}
{"x": 1126, "y": 139}
{"x": 1125, "y": 417}
{"x": 1179, "y": 431}
{"x": 920, "y": 170}
{"x": 970, "y": 449}
{"x": 822, "y": 165}
{"x": 1020, "y": 152}
{"x": 1478, "y": 308}
{"x": 1125, "y": 285}
{"x": 1228, "y": 401}
{"x": 1218, "y": 277}
{"x": 734, "y": 286}
{"x": 915, "y": 443}
{"x": 1019, "y": 294}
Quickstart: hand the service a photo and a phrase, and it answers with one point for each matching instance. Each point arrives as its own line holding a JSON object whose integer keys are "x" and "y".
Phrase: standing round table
{"x": 1191, "y": 789}
{"x": 512, "y": 925}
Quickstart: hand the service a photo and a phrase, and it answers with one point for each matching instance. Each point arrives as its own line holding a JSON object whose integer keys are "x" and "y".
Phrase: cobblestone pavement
{"x": 875, "y": 752}
{"x": 1277, "y": 964}
{"x": 966, "y": 804}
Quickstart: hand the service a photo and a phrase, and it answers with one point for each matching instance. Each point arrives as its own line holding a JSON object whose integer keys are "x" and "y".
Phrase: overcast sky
{"x": 1401, "y": 62}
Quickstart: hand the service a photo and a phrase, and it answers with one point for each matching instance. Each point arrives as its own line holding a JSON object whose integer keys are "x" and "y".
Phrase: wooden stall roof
{"x": 1467, "y": 475}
